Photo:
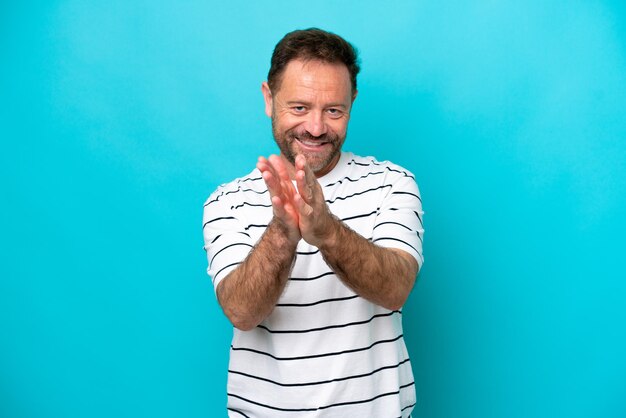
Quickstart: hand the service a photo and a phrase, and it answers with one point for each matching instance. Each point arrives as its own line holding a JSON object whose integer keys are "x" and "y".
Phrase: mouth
{"x": 311, "y": 144}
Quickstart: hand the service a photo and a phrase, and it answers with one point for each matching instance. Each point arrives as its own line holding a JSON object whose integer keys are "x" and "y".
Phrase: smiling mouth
{"x": 311, "y": 143}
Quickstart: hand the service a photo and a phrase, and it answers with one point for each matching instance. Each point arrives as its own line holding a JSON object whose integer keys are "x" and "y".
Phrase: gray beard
{"x": 289, "y": 137}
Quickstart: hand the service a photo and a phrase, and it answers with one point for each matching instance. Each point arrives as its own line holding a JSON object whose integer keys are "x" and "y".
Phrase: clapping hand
{"x": 301, "y": 208}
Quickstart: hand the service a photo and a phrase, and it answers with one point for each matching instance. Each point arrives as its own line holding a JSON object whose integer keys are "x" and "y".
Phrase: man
{"x": 314, "y": 253}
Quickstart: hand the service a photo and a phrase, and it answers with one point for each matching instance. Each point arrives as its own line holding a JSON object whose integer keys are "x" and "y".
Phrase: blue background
{"x": 119, "y": 118}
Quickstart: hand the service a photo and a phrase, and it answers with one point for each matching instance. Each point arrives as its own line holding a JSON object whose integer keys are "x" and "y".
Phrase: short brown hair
{"x": 312, "y": 44}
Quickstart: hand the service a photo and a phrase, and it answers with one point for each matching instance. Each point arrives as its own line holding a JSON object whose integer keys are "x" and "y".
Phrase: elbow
{"x": 243, "y": 321}
{"x": 398, "y": 291}
{"x": 243, "y": 324}
{"x": 240, "y": 317}
{"x": 395, "y": 298}
{"x": 396, "y": 307}
{"x": 395, "y": 304}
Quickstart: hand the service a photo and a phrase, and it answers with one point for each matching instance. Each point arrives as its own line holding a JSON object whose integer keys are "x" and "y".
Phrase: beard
{"x": 288, "y": 144}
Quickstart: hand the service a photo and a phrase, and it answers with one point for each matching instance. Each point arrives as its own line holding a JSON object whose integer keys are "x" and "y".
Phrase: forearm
{"x": 249, "y": 293}
{"x": 383, "y": 276}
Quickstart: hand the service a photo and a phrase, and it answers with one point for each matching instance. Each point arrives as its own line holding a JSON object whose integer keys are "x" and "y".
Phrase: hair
{"x": 312, "y": 44}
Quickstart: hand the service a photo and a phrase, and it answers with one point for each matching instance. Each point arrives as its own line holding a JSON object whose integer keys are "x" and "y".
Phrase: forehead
{"x": 314, "y": 78}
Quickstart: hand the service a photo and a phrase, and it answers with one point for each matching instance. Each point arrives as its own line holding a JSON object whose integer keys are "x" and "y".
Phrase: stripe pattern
{"x": 324, "y": 351}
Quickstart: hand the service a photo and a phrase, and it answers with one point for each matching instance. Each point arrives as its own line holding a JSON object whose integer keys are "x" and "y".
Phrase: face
{"x": 310, "y": 112}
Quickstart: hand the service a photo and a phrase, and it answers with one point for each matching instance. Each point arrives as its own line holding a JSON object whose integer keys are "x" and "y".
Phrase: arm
{"x": 249, "y": 293}
{"x": 384, "y": 276}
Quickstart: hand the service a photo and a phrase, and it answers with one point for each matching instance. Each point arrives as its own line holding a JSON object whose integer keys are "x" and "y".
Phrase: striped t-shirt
{"x": 324, "y": 351}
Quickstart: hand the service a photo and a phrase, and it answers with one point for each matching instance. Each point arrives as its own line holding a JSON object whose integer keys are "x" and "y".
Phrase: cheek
{"x": 289, "y": 122}
{"x": 338, "y": 126}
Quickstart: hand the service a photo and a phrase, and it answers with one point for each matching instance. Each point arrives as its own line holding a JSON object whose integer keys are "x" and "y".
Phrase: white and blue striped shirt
{"x": 324, "y": 351}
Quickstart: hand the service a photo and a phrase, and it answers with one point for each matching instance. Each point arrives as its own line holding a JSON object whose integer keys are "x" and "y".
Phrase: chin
{"x": 318, "y": 162}
{"x": 321, "y": 164}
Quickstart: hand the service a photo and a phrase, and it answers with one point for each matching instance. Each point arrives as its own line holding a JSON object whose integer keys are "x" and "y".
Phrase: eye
{"x": 298, "y": 109}
{"x": 334, "y": 113}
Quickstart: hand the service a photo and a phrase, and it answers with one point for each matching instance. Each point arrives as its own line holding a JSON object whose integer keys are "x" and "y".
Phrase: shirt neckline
{"x": 337, "y": 171}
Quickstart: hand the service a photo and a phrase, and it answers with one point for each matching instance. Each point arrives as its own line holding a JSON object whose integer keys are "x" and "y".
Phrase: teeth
{"x": 311, "y": 143}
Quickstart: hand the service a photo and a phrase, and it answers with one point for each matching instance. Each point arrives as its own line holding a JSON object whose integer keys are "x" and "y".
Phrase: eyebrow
{"x": 301, "y": 102}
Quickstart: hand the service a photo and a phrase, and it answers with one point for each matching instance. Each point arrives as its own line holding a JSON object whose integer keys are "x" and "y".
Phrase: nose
{"x": 315, "y": 124}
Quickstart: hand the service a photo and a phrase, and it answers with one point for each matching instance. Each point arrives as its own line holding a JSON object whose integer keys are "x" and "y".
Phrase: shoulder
{"x": 250, "y": 183}
{"x": 371, "y": 164}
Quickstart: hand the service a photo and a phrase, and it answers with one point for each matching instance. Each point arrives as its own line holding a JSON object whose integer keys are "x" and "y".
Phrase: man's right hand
{"x": 282, "y": 192}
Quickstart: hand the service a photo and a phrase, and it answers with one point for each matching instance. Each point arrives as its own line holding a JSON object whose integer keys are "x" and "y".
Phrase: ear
{"x": 352, "y": 102}
{"x": 267, "y": 96}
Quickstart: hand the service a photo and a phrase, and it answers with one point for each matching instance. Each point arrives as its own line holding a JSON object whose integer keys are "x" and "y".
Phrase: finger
{"x": 286, "y": 213}
{"x": 281, "y": 195}
{"x": 280, "y": 167}
{"x": 270, "y": 176}
{"x": 305, "y": 210}
{"x": 300, "y": 177}
{"x": 283, "y": 211}
{"x": 273, "y": 184}
{"x": 272, "y": 181}
{"x": 264, "y": 165}
{"x": 277, "y": 205}
{"x": 307, "y": 182}
{"x": 304, "y": 191}
{"x": 302, "y": 165}
{"x": 292, "y": 213}
{"x": 261, "y": 162}
{"x": 310, "y": 177}
{"x": 303, "y": 187}
{"x": 300, "y": 162}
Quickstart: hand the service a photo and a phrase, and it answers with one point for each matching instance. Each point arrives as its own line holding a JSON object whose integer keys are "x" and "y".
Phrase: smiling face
{"x": 310, "y": 112}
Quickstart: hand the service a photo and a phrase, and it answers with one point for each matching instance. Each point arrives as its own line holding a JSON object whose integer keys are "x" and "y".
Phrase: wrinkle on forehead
{"x": 312, "y": 77}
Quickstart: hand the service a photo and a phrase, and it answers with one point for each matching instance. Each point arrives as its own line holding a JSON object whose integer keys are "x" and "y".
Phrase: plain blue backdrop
{"x": 118, "y": 119}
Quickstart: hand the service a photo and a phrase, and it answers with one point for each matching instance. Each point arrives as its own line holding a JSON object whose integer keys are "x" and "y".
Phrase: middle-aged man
{"x": 314, "y": 252}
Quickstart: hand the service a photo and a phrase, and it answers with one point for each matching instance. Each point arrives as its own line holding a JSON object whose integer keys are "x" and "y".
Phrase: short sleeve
{"x": 399, "y": 223}
{"x": 226, "y": 241}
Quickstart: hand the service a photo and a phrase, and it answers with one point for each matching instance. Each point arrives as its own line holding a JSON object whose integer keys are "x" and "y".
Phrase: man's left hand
{"x": 316, "y": 221}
